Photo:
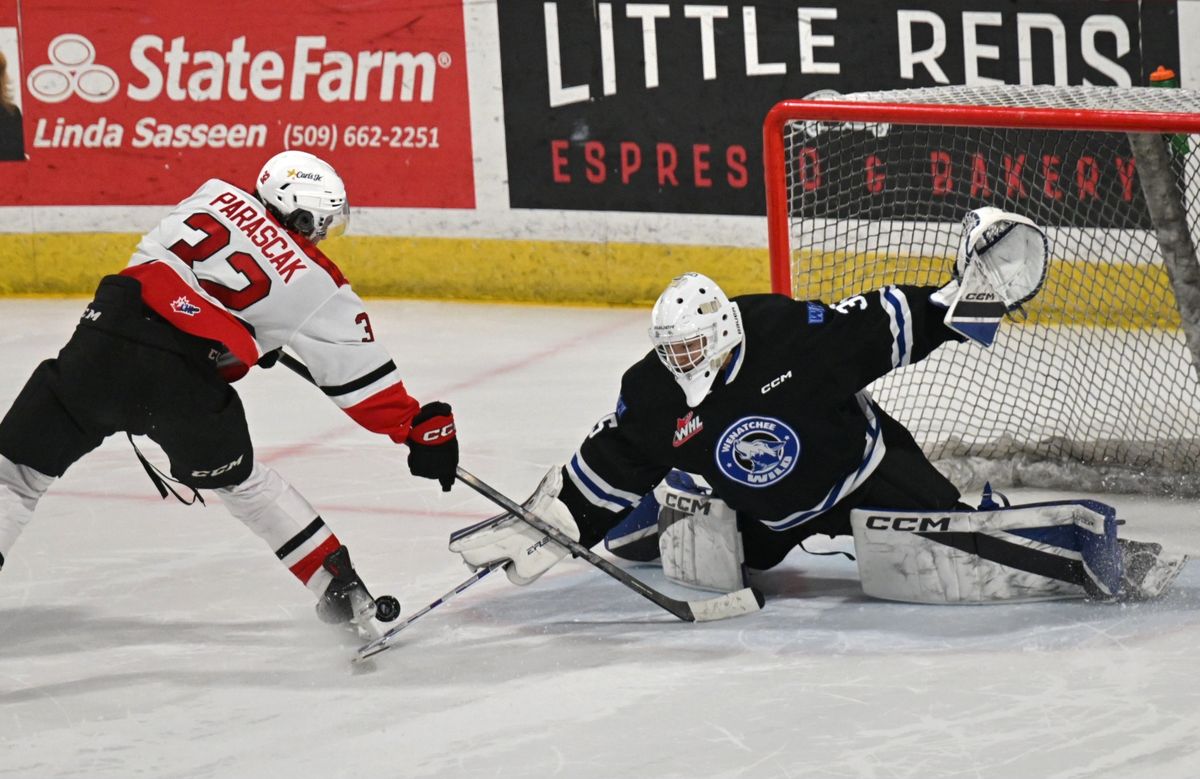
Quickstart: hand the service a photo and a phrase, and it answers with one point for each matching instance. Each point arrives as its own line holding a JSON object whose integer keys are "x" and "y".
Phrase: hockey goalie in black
{"x": 761, "y": 399}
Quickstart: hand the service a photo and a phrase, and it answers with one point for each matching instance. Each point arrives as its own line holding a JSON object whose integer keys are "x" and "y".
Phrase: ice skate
{"x": 1148, "y": 572}
{"x": 346, "y": 599}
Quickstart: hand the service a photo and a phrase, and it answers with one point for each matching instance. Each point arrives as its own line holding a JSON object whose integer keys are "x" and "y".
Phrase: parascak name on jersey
{"x": 262, "y": 232}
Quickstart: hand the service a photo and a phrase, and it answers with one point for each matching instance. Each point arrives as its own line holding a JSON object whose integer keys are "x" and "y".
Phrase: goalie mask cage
{"x": 1095, "y": 386}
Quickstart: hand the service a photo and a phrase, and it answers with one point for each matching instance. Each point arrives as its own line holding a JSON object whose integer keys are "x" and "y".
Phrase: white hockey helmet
{"x": 694, "y": 327}
{"x": 305, "y": 193}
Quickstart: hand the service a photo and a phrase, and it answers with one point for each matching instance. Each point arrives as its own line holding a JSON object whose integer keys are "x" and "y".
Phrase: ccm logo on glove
{"x": 438, "y": 435}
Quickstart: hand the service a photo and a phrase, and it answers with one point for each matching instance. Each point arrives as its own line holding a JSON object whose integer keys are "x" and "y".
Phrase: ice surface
{"x": 140, "y": 638}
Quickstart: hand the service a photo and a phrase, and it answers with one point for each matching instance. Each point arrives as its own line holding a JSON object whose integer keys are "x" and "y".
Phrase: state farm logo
{"x": 73, "y": 71}
{"x": 159, "y": 68}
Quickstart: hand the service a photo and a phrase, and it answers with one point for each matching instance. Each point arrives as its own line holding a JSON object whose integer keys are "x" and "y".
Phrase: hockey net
{"x": 1096, "y": 386}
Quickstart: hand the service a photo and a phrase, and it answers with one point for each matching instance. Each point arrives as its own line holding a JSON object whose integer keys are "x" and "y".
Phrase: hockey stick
{"x": 297, "y": 367}
{"x": 743, "y": 601}
{"x": 386, "y": 641}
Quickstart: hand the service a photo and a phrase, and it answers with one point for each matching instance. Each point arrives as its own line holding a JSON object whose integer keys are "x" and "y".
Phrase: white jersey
{"x": 220, "y": 261}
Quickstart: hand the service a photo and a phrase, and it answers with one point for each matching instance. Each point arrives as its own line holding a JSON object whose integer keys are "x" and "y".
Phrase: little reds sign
{"x": 129, "y": 105}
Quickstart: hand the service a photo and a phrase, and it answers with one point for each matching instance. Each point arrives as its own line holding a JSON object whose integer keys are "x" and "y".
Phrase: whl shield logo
{"x": 757, "y": 451}
{"x": 686, "y": 428}
{"x": 73, "y": 71}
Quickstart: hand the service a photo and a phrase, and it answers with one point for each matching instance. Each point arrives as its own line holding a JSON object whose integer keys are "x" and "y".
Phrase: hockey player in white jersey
{"x": 229, "y": 277}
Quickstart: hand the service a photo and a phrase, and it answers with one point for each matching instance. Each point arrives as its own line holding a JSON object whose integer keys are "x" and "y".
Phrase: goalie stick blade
{"x": 744, "y": 601}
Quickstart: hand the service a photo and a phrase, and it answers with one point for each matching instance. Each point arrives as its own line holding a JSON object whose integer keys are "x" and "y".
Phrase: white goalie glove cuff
{"x": 506, "y": 537}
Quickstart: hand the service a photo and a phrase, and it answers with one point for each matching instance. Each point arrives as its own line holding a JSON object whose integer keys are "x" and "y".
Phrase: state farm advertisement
{"x": 139, "y": 104}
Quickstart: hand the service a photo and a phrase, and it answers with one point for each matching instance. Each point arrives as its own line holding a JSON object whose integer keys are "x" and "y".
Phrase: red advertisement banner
{"x": 137, "y": 104}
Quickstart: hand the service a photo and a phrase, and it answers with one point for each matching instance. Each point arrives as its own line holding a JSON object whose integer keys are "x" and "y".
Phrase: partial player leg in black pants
{"x": 40, "y": 438}
{"x": 904, "y": 479}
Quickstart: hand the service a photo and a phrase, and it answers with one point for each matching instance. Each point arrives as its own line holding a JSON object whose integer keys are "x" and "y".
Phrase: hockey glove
{"x": 1002, "y": 263}
{"x": 433, "y": 444}
{"x": 529, "y": 551}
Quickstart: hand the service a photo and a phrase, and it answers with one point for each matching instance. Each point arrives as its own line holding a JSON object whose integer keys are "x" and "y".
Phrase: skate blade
{"x": 363, "y": 620}
{"x": 1166, "y": 569}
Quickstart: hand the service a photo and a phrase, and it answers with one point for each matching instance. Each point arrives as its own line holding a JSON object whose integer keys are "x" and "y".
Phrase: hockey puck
{"x": 387, "y": 608}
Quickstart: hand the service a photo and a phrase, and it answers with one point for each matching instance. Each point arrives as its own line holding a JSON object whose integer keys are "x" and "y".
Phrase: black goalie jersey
{"x": 787, "y": 431}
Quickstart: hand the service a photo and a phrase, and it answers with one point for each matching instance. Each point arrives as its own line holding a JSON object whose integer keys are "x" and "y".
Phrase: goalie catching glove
{"x": 1002, "y": 263}
{"x": 506, "y": 537}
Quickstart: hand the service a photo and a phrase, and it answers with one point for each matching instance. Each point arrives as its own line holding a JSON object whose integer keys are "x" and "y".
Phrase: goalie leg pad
{"x": 1019, "y": 553}
{"x": 636, "y": 536}
{"x": 698, "y": 540}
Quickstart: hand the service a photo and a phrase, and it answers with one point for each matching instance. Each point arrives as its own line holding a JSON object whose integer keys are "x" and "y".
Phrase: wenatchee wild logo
{"x": 757, "y": 451}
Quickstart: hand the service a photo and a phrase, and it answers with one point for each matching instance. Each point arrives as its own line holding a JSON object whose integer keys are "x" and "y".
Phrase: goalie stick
{"x": 733, "y": 604}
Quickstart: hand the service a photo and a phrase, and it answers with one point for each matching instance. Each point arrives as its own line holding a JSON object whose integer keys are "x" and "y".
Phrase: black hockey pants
{"x": 126, "y": 370}
{"x": 905, "y": 479}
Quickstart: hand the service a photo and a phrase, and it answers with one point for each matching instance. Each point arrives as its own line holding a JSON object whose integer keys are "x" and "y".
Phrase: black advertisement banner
{"x": 658, "y": 107}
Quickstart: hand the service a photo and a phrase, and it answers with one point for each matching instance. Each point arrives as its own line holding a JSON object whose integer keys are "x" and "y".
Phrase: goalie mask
{"x": 305, "y": 194}
{"x": 694, "y": 327}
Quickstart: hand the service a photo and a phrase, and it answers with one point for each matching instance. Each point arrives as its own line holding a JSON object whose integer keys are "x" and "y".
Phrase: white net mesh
{"x": 1096, "y": 387}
